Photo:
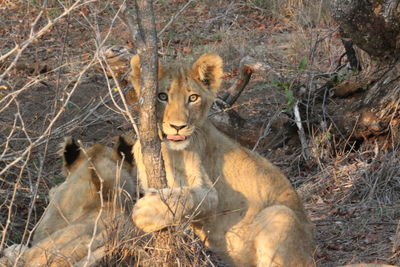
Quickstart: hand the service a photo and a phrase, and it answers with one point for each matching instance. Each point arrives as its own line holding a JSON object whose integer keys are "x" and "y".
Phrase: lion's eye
{"x": 193, "y": 98}
{"x": 163, "y": 97}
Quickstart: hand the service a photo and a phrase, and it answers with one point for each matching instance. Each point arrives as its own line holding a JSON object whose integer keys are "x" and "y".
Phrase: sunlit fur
{"x": 69, "y": 224}
{"x": 237, "y": 202}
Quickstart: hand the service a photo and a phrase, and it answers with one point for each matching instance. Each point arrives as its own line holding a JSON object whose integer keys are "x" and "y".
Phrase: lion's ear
{"x": 135, "y": 78}
{"x": 124, "y": 149}
{"x": 208, "y": 70}
{"x": 70, "y": 152}
{"x": 135, "y": 74}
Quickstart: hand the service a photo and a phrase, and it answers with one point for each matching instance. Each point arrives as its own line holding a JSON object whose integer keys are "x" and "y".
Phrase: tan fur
{"x": 134, "y": 78}
{"x": 368, "y": 265}
{"x": 68, "y": 225}
{"x": 241, "y": 205}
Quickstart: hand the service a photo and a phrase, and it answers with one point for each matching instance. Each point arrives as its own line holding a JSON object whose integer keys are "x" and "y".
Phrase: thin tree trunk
{"x": 146, "y": 39}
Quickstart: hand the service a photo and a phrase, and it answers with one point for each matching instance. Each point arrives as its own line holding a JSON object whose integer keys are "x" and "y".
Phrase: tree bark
{"x": 373, "y": 25}
{"x": 365, "y": 105}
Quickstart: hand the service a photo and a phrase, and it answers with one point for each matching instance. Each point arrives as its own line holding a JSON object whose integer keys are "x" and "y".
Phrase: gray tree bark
{"x": 373, "y": 25}
{"x": 366, "y": 104}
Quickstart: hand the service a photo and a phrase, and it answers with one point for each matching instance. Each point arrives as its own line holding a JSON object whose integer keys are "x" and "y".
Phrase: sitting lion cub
{"x": 74, "y": 218}
{"x": 242, "y": 206}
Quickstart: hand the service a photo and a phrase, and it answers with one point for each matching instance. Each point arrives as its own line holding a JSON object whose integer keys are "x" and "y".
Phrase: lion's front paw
{"x": 153, "y": 212}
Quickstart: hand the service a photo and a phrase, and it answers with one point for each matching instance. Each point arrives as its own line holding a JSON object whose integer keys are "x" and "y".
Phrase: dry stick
{"x": 267, "y": 129}
{"x": 27, "y": 151}
{"x": 102, "y": 58}
{"x": 19, "y": 48}
{"x": 91, "y": 166}
{"x": 6, "y": 145}
{"x": 47, "y": 140}
{"x": 173, "y": 18}
{"x": 16, "y": 186}
{"x": 304, "y": 151}
{"x": 396, "y": 243}
{"x": 247, "y": 67}
{"x": 124, "y": 110}
{"x": 45, "y": 134}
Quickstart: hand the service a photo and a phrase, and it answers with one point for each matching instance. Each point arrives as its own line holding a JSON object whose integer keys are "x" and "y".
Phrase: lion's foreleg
{"x": 191, "y": 194}
{"x": 169, "y": 206}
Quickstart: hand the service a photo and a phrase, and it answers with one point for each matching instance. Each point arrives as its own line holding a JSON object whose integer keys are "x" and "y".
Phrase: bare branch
{"x": 247, "y": 67}
{"x": 304, "y": 145}
{"x": 173, "y": 18}
{"x": 19, "y": 48}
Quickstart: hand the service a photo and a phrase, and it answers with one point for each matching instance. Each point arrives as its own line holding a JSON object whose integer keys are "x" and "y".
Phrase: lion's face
{"x": 184, "y": 98}
{"x": 182, "y": 108}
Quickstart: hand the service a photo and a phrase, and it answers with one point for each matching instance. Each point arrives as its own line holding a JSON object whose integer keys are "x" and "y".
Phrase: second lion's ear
{"x": 124, "y": 149}
{"x": 70, "y": 152}
{"x": 208, "y": 70}
{"x": 134, "y": 76}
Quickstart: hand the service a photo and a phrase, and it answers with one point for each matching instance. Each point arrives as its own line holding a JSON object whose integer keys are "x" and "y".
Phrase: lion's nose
{"x": 177, "y": 127}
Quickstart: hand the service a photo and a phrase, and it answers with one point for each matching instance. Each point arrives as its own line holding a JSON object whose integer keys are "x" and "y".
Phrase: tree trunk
{"x": 373, "y": 25}
{"x": 148, "y": 131}
{"x": 365, "y": 106}
{"x": 146, "y": 39}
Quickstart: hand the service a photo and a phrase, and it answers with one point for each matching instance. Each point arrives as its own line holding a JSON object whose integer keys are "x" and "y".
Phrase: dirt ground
{"x": 57, "y": 88}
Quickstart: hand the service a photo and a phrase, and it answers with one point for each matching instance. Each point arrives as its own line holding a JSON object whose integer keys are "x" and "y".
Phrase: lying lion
{"x": 74, "y": 218}
{"x": 242, "y": 206}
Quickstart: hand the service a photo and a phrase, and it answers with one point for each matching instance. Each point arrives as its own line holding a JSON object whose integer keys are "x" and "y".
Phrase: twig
{"x": 19, "y": 48}
{"x": 304, "y": 146}
{"x": 267, "y": 129}
{"x": 173, "y": 18}
{"x": 396, "y": 243}
{"x": 93, "y": 167}
{"x": 5, "y": 228}
{"x": 51, "y": 124}
{"x": 124, "y": 110}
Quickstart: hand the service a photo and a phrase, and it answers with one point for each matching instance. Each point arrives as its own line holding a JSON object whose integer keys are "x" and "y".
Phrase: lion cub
{"x": 74, "y": 218}
{"x": 242, "y": 206}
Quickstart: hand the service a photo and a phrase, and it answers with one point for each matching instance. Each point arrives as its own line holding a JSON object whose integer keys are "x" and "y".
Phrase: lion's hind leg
{"x": 64, "y": 247}
{"x": 282, "y": 240}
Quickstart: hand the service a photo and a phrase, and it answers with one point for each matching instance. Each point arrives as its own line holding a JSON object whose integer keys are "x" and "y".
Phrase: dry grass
{"x": 52, "y": 89}
{"x": 179, "y": 248}
{"x": 358, "y": 178}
